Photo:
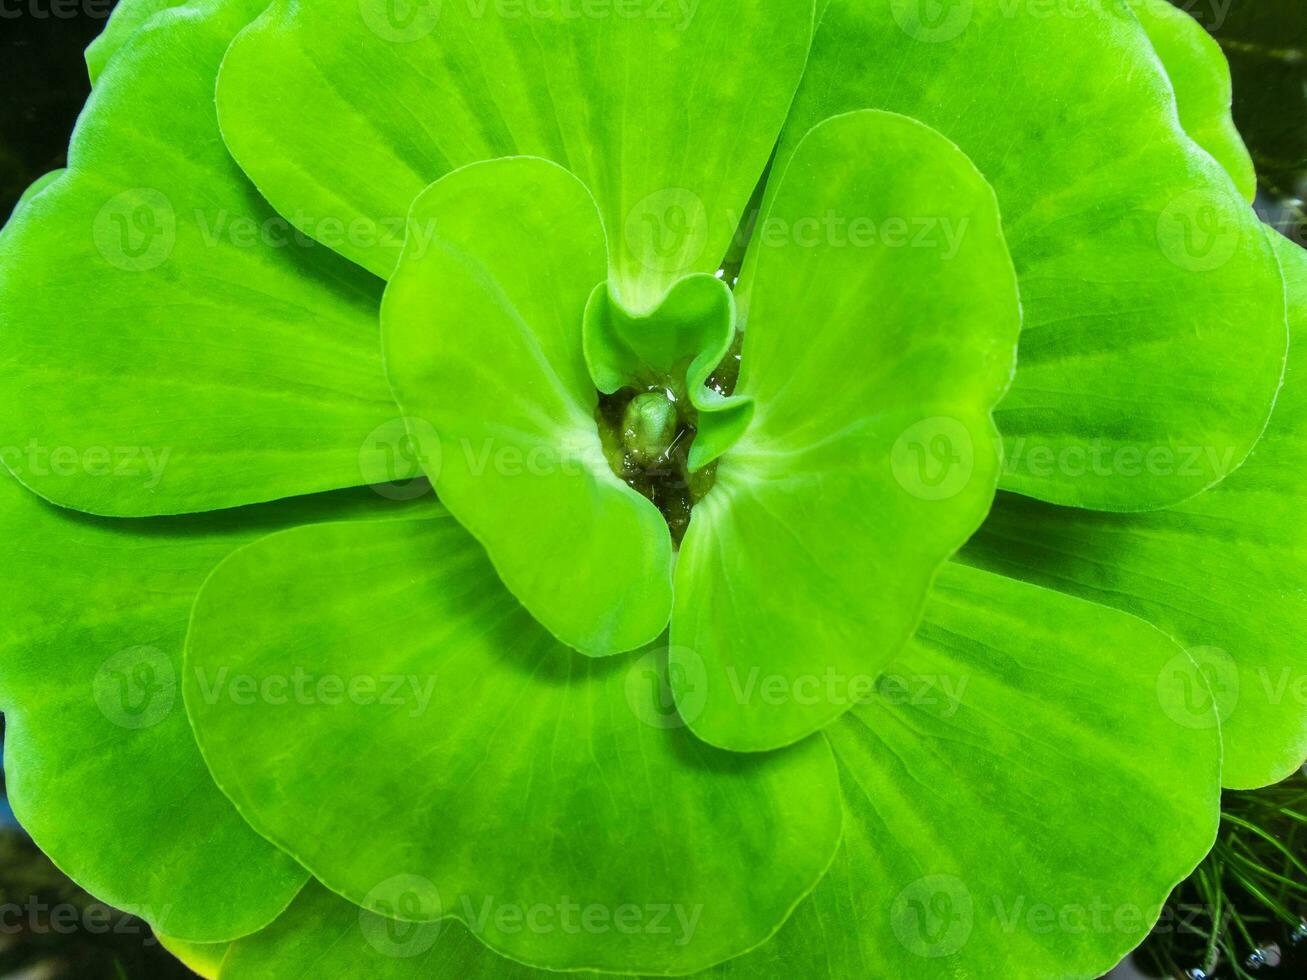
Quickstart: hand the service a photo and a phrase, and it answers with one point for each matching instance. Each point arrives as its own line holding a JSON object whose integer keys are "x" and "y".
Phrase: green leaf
{"x": 677, "y": 344}
{"x": 675, "y": 348}
{"x": 502, "y": 773}
{"x": 101, "y": 766}
{"x": 1200, "y": 76}
{"x": 202, "y": 959}
{"x": 325, "y": 937}
{"x": 632, "y": 98}
{"x": 1222, "y": 573}
{"x": 1020, "y": 799}
{"x": 482, "y": 328}
{"x": 1152, "y": 320}
{"x": 1019, "y": 802}
{"x": 161, "y": 357}
{"x": 128, "y": 17}
{"x": 35, "y": 188}
{"x": 807, "y": 564}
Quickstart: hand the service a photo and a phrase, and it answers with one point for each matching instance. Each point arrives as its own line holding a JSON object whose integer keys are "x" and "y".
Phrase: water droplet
{"x": 1268, "y": 955}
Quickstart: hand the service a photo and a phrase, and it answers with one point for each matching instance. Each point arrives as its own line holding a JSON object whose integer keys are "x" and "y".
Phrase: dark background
{"x": 44, "y": 85}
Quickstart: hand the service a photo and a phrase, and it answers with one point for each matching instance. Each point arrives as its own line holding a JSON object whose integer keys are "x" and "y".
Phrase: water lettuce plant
{"x": 767, "y": 489}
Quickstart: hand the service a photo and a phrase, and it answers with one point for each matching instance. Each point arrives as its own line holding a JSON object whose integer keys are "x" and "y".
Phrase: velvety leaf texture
{"x": 834, "y": 488}
{"x": 1224, "y": 574}
{"x": 627, "y": 97}
{"x": 1069, "y": 828}
{"x": 484, "y": 351}
{"x": 128, "y": 17}
{"x": 492, "y": 732}
{"x": 182, "y": 340}
{"x": 97, "y": 747}
{"x": 1201, "y": 78}
{"x": 1153, "y": 325}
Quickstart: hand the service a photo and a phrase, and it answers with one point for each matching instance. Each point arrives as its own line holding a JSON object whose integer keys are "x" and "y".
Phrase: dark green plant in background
{"x": 1241, "y": 915}
{"x": 1266, "y": 44}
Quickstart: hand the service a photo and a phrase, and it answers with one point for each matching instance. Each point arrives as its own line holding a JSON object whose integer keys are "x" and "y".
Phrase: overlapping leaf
{"x": 483, "y": 339}
{"x": 178, "y": 320}
{"x": 128, "y": 17}
{"x": 868, "y": 349}
{"x": 668, "y": 112}
{"x": 1200, "y": 76}
{"x": 1224, "y": 573}
{"x": 1153, "y": 323}
{"x": 1024, "y": 782}
{"x": 101, "y": 764}
{"x": 1022, "y": 790}
{"x": 503, "y": 779}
